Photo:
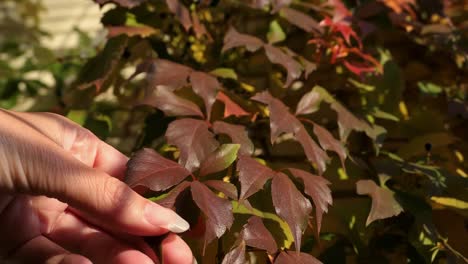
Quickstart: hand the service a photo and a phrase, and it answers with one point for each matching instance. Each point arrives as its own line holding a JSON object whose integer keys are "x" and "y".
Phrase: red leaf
{"x": 142, "y": 31}
{"x": 288, "y": 257}
{"x": 220, "y": 159}
{"x": 238, "y": 135}
{"x": 181, "y": 12}
{"x": 309, "y": 103}
{"x": 282, "y": 121}
{"x": 230, "y": 107}
{"x": 218, "y": 211}
{"x": 172, "y": 105}
{"x": 290, "y": 205}
{"x": 301, "y": 20}
{"x": 152, "y": 170}
{"x": 168, "y": 73}
{"x": 256, "y": 235}
{"x": 198, "y": 27}
{"x": 252, "y": 176}
{"x": 236, "y": 255}
{"x": 384, "y": 204}
{"x": 347, "y": 121}
{"x": 193, "y": 139}
{"x": 170, "y": 200}
{"x": 328, "y": 142}
{"x": 359, "y": 69}
{"x": 235, "y": 39}
{"x": 124, "y": 3}
{"x": 227, "y": 188}
{"x": 206, "y": 86}
{"x": 317, "y": 188}
{"x": 277, "y": 56}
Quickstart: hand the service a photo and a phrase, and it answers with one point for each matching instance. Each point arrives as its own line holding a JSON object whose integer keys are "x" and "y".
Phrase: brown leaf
{"x": 198, "y": 27}
{"x": 328, "y": 142}
{"x": 170, "y": 199}
{"x": 227, "y": 188}
{"x": 301, "y": 20}
{"x": 168, "y": 73}
{"x": 384, "y": 204}
{"x": 235, "y": 39}
{"x": 206, "y": 86}
{"x": 277, "y": 56}
{"x": 317, "y": 188}
{"x": 218, "y": 211}
{"x": 252, "y": 176}
{"x": 131, "y": 31}
{"x": 230, "y": 107}
{"x": 290, "y": 205}
{"x": 236, "y": 255}
{"x": 193, "y": 139}
{"x": 256, "y": 235}
{"x": 150, "y": 169}
{"x": 172, "y": 105}
{"x": 238, "y": 135}
{"x": 313, "y": 152}
{"x": 288, "y": 257}
{"x": 181, "y": 12}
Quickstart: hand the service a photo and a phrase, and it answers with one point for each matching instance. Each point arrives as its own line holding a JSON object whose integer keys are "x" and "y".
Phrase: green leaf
{"x": 219, "y": 160}
{"x": 429, "y": 88}
{"x": 275, "y": 33}
{"x": 78, "y": 116}
{"x": 227, "y": 73}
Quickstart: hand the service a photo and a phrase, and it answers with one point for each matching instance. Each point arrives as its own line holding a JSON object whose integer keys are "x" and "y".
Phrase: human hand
{"x": 62, "y": 201}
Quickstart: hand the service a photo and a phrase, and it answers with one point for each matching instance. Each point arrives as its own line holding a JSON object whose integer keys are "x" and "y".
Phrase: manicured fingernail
{"x": 194, "y": 261}
{"x": 165, "y": 218}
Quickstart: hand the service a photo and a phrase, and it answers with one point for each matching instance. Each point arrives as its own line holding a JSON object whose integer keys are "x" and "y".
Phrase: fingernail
{"x": 194, "y": 261}
{"x": 165, "y": 218}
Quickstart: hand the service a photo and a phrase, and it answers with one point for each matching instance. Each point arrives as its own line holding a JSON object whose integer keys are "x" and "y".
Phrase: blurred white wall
{"x": 62, "y": 16}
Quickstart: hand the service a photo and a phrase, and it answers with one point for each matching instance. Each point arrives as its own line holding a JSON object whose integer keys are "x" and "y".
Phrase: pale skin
{"x": 62, "y": 199}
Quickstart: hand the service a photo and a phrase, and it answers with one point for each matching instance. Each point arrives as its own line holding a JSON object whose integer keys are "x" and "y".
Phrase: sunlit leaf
{"x": 219, "y": 159}
{"x": 217, "y": 211}
{"x": 275, "y": 33}
{"x": 256, "y": 235}
{"x": 224, "y": 73}
{"x": 309, "y": 103}
{"x": 384, "y": 204}
{"x": 317, "y": 188}
{"x": 290, "y": 205}
{"x": 193, "y": 139}
{"x": 150, "y": 169}
{"x": 230, "y": 107}
{"x": 238, "y": 135}
{"x": 252, "y": 176}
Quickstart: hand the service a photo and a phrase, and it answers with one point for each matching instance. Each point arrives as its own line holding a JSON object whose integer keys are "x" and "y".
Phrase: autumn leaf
{"x": 384, "y": 204}
{"x": 317, "y": 188}
{"x": 206, "y": 86}
{"x": 256, "y": 235}
{"x": 277, "y": 56}
{"x": 309, "y": 103}
{"x": 301, "y": 20}
{"x": 230, "y": 107}
{"x": 217, "y": 211}
{"x": 235, "y": 39}
{"x": 171, "y": 104}
{"x": 198, "y": 27}
{"x": 227, "y": 188}
{"x": 131, "y": 31}
{"x": 167, "y": 73}
{"x": 193, "y": 139}
{"x": 236, "y": 255}
{"x": 314, "y": 153}
{"x": 219, "y": 159}
{"x": 98, "y": 70}
{"x": 150, "y": 169}
{"x": 252, "y": 176}
{"x": 288, "y": 257}
{"x": 238, "y": 135}
{"x": 181, "y": 12}
{"x": 290, "y": 205}
{"x": 328, "y": 142}
{"x": 170, "y": 199}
